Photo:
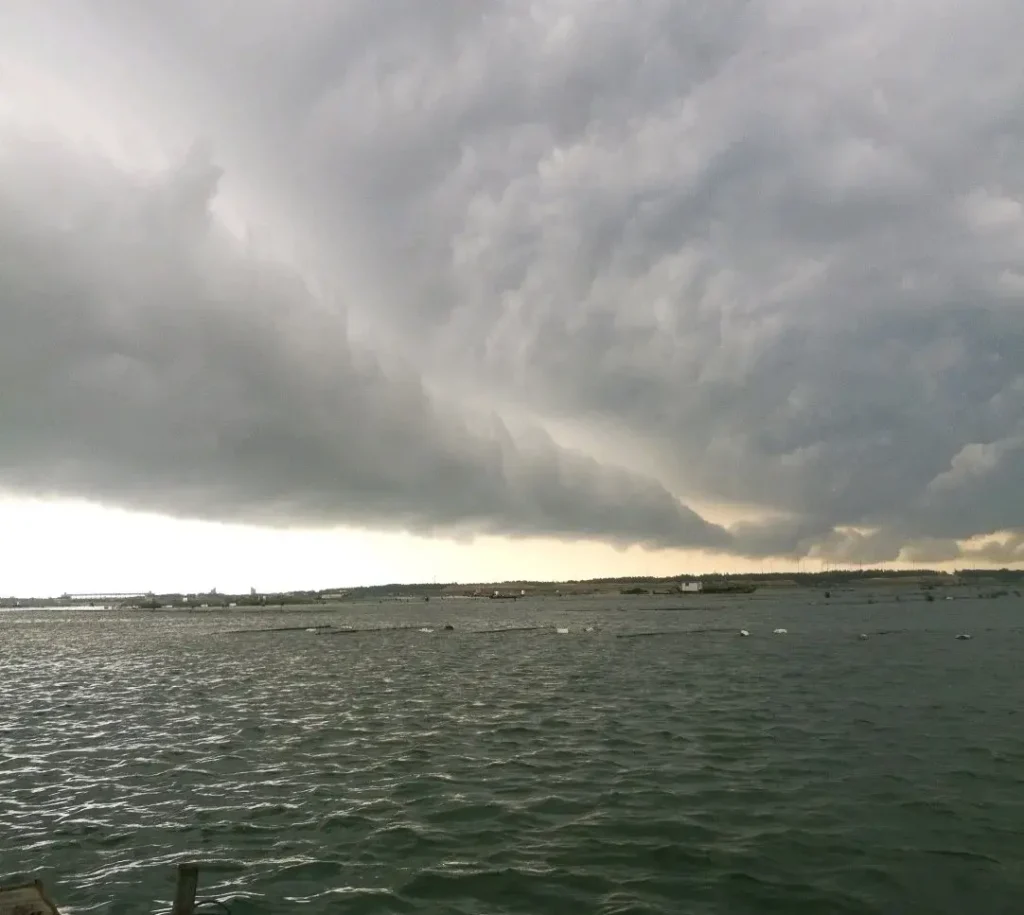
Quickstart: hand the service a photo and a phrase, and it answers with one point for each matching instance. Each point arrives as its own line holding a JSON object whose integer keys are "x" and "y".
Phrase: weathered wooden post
{"x": 26, "y": 899}
{"x": 185, "y": 895}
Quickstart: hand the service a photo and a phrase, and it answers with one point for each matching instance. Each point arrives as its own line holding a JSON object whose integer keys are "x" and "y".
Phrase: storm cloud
{"x": 777, "y": 247}
{"x": 152, "y": 360}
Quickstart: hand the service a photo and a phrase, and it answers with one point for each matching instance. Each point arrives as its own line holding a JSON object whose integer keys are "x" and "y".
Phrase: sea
{"x": 608, "y": 755}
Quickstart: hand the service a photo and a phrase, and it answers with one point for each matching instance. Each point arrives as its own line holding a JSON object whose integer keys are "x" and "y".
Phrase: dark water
{"x": 527, "y": 772}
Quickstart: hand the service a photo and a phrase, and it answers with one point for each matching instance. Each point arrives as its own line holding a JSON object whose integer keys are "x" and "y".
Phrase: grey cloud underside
{"x": 778, "y": 246}
{"x": 782, "y": 246}
{"x": 151, "y": 360}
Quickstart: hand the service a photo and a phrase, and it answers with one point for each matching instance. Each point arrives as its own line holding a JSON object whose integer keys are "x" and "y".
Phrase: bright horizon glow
{"x": 53, "y": 547}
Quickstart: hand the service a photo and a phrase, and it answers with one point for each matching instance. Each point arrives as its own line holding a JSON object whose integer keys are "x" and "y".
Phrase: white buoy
{"x": 781, "y": 631}
{"x": 863, "y": 636}
{"x": 744, "y": 633}
{"x": 589, "y": 629}
{"x": 963, "y": 637}
{"x": 561, "y": 631}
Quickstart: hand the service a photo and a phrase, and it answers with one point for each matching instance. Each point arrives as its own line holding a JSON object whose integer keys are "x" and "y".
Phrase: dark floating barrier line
{"x": 510, "y": 629}
{"x": 330, "y": 629}
{"x": 439, "y": 629}
{"x": 322, "y": 629}
{"x": 278, "y": 629}
{"x": 646, "y": 635}
{"x": 693, "y": 607}
{"x": 708, "y": 629}
{"x": 334, "y": 631}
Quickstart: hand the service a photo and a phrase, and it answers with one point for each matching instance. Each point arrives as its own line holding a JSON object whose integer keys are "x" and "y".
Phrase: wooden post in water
{"x": 185, "y": 895}
{"x": 26, "y": 899}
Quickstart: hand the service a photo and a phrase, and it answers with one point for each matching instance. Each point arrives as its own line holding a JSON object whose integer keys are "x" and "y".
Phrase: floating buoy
{"x": 963, "y": 637}
{"x": 781, "y": 631}
{"x": 589, "y": 629}
{"x": 561, "y": 631}
{"x": 744, "y": 633}
{"x": 863, "y": 636}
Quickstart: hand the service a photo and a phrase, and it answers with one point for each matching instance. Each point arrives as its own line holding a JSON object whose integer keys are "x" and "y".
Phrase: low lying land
{"x": 923, "y": 583}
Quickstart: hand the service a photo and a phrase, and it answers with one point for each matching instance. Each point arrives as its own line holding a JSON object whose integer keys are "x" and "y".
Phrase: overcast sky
{"x": 385, "y": 289}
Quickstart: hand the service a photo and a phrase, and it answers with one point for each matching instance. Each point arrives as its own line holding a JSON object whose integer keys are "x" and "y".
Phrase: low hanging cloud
{"x": 150, "y": 359}
{"x": 777, "y": 247}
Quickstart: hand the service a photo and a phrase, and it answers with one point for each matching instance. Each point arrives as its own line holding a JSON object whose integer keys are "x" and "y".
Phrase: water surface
{"x": 659, "y": 764}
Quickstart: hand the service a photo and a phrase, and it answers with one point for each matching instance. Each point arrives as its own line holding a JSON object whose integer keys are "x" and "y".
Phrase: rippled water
{"x": 528, "y": 772}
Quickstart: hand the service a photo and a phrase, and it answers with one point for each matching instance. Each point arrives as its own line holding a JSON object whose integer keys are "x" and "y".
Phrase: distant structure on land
{"x": 691, "y": 587}
{"x": 102, "y": 596}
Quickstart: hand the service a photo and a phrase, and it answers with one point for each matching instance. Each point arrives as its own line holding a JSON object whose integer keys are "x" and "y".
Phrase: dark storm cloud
{"x": 777, "y": 245}
{"x": 150, "y": 359}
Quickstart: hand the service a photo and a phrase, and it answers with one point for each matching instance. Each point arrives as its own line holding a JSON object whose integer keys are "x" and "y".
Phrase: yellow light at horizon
{"x": 52, "y": 547}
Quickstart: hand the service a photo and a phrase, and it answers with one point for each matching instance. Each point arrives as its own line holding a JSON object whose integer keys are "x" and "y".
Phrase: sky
{"x": 324, "y": 294}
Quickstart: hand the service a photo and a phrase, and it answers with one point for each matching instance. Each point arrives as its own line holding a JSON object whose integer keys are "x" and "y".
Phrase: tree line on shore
{"x": 742, "y": 582}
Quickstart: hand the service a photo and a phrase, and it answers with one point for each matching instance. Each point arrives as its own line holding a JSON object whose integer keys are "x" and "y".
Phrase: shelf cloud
{"x": 775, "y": 248}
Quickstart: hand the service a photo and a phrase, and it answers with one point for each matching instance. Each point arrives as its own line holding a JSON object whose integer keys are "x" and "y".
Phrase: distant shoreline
{"x": 682, "y": 586}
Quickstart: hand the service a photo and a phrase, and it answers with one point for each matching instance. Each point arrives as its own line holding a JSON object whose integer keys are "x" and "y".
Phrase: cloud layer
{"x": 777, "y": 247}
{"x": 151, "y": 359}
